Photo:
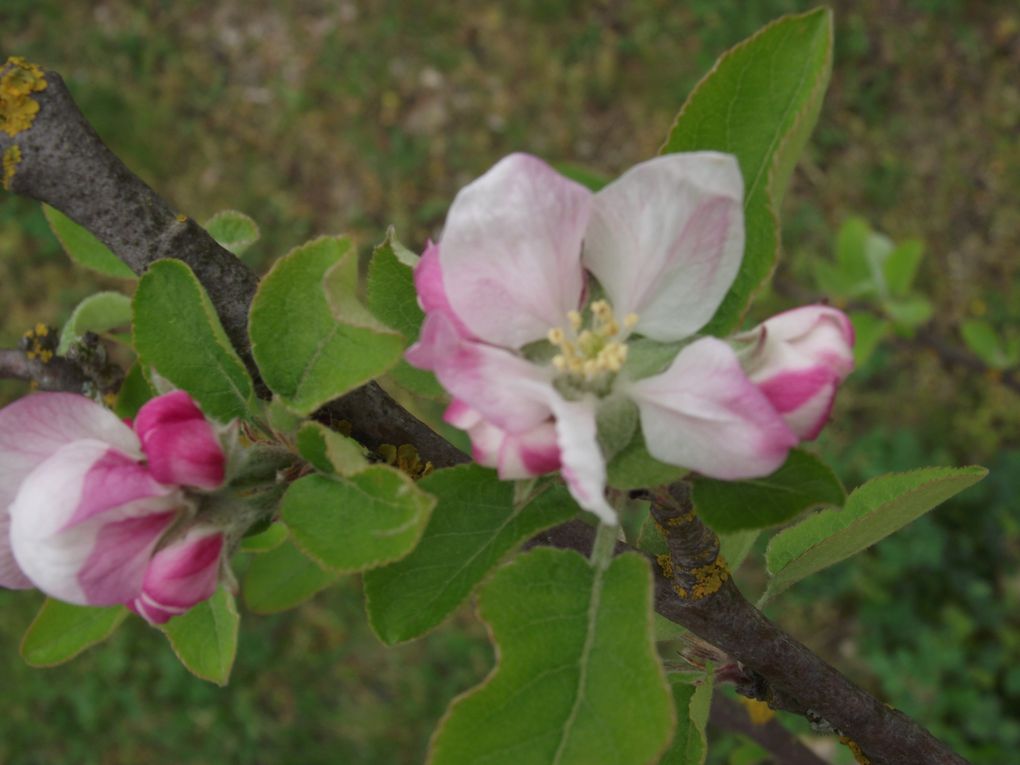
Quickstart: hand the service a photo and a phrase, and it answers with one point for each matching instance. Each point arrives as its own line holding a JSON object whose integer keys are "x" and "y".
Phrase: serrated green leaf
{"x": 359, "y": 522}
{"x": 901, "y": 265}
{"x": 869, "y": 331}
{"x": 473, "y": 525}
{"x": 802, "y": 482}
{"x": 97, "y": 313}
{"x": 282, "y": 578}
{"x": 760, "y": 103}
{"x": 329, "y": 451}
{"x": 83, "y": 248}
{"x": 205, "y": 637}
{"x": 693, "y": 702}
{"x": 306, "y": 355}
{"x": 983, "y": 340}
{"x": 872, "y": 512}
{"x": 575, "y": 649}
{"x": 634, "y": 468}
{"x": 391, "y": 296}
{"x": 177, "y": 333}
{"x": 232, "y": 230}
{"x": 61, "y": 631}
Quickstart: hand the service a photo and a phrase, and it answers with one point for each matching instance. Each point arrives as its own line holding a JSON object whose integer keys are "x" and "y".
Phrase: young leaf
{"x": 981, "y": 337}
{"x": 306, "y": 353}
{"x": 690, "y": 744}
{"x": 282, "y": 578}
{"x": 872, "y": 512}
{"x": 83, "y": 248}
{"x": 474, "y": 524}
{"x": 391, "y": 296}
{"x": 575, "y": 649}
{"x": 268, "y": 539}
{"x": 900, "y": 267}
{"x": 803, "y": 481}
{"x": 61, "y": 631}
{"x": 205, "y": 638}
{"x": 178, "y": 333}
{"x": 329, "y": 451}
{"x": 233, "y": 230}
{"x": 97, "y": 313}
{"x": 351, "y": 524}
{"x": 634, "y": 468}
{"x": 869, "y": 330}
{"x": 908, "y": 313}
{"x": 760, "y": 103}
{"x": 134, "y": 392}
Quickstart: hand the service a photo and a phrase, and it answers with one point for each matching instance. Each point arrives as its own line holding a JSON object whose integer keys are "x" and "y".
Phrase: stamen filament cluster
{"x": 591, "y": 352}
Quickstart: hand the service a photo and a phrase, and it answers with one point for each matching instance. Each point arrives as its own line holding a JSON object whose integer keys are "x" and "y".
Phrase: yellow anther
{"x": 591, "y": 352}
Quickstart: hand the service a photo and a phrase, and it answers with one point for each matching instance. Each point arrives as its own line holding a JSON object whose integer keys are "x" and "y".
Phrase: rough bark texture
{"x": 65, "y": 164}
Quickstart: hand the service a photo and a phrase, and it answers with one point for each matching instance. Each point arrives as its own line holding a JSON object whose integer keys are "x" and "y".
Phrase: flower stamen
{"x": 592, "y": 353}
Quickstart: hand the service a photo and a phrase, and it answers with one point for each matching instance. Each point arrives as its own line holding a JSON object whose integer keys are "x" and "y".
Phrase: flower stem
{"x": 602, "y": 549}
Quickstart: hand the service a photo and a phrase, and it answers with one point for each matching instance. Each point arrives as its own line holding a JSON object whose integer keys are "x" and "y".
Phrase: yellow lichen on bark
{"x": 12, "y": 156}
{"x": 708, "y": 580}
{"x": 758, "y": 711}
{"x": 855, "y": 750}
{"x": 17, "y": 107}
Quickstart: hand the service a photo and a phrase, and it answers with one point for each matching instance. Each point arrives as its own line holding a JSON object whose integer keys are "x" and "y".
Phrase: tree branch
{"x": 58, "y": 373}
{"x": 61, "y": 161}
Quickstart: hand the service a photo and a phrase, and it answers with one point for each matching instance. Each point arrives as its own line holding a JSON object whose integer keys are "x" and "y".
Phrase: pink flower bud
{"x": 181, "y": 575}
{"x": 798, "y": 360}
{"x": 82, "y": 512}
{"x": 179, "y": 442}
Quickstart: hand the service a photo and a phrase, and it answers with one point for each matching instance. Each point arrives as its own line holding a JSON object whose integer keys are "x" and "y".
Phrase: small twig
{"x": 57, "y": 374}
{"x": 772, "y": 736}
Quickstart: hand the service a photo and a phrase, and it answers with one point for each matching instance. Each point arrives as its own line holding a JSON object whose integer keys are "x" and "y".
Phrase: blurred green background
{"x": 323, "y": 117}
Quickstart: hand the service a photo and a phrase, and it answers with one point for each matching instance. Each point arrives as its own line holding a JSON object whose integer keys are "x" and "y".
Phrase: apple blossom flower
{"x": 798, "y": 360}
{"x": 539, "y": 290}
{"x": 85, "y": 500}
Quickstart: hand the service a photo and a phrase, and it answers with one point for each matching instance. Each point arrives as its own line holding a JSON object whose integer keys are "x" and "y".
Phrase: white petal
{"x": 704, "y": 414}
{"x": 511, "y": 251}
{"x": 583, "y": 466}
{"x": 666, "y": 240}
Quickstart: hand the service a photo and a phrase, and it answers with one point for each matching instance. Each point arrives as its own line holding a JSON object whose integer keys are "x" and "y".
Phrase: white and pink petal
{"x": 85, "y": 522}
{"x": 666, "y": 240}
{"x": 511, "y": 251}
{"x": 498, "y": 384}
{"x": 703, "y": 413}
{"x": 33, "y": 428}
